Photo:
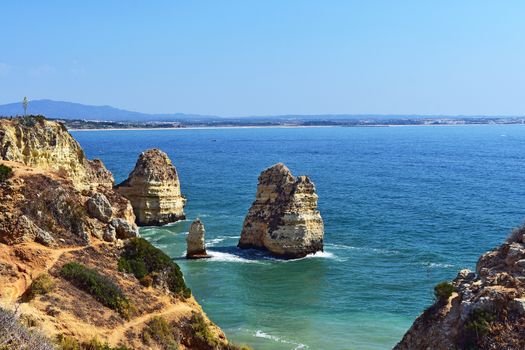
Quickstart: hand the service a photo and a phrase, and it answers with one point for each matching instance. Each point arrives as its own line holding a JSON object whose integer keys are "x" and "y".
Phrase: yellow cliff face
{"x": 50, "y": 219}
{"x": 44, "y": 144}
{"x": 153, "y": 189}
{"x": 284, "y": 218}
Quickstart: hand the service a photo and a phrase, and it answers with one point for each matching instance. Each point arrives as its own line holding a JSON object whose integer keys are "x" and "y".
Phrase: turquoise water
{"x": 404, "y": 208}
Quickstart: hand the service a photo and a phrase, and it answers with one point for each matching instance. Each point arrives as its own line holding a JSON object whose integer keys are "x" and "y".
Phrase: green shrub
{"x": 43, "y": 284}
{"x": 65, "y": 342}
{"x": 479, "y": 322}
{"x": 202, "y": 330}
{"x": 142, "y": 259}
{"x": 5, "y": 172}
{"x": 443, "y": 291}
{"x": 160, "y": 331}
{"x": 146, "y": 281}
{"x": 97, "y": 285}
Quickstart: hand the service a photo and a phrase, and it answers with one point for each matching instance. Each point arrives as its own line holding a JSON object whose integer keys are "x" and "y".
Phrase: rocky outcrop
{"x": 284, "y": 218}
{"x": 196, "y": 241}
{"x": 47, "y": 222}
{"x": 481, "y": 310}
{"x": 44, "y": 144}
{"x": 153, "y": 189}
{"x": 99, "y": 207}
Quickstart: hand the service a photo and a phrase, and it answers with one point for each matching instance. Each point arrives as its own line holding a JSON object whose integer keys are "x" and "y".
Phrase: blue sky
{"x": 268, "y": 57}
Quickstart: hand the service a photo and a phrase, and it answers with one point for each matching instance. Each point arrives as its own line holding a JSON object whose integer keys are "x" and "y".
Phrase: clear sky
{"x": 268, "y": 57}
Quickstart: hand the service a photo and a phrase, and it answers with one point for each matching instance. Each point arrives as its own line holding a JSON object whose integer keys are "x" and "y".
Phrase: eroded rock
{"x": 196, "y": 241}
{"x": 153, "y": 188}
{"x": 284, "y": 218}
{"x": 99, "y": 207}
{"x": 486, "y": 311}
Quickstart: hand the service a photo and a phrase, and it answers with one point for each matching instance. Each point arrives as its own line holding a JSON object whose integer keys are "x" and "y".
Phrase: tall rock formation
{"x": 481, "y": 310}
{"x": 37, "y": 142}
{"x": 153, "y": 189}
{"x": 196, "y": 241}
{"x": 284, "y": 218}
{"x": 49, "y": 225}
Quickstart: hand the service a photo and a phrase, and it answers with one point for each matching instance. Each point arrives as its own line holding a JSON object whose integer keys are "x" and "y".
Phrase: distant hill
{"x": 76, "y": 111}
{"x": 70, "y": 110}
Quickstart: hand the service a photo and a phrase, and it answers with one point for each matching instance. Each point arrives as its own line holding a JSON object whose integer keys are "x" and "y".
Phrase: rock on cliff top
{"x": 478, "y": 310}
{"x": 44, "y": 144}
{"x": 153, "y": 189}
{"x": 284, "y": 218}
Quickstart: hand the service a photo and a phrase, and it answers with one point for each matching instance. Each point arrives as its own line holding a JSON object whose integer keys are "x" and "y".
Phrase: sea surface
{"x": 404, "y": 208}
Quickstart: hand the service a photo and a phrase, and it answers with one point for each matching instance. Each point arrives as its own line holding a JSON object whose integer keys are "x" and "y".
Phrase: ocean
{"x": 404, "y": 208}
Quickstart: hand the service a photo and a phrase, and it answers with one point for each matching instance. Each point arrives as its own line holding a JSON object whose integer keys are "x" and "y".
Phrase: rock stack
{"x": 195, "y": 241}
{"x": 284, "y": 218}
{"x": 153, "y": 188}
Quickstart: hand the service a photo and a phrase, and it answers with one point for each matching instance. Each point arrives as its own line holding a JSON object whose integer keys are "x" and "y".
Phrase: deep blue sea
{"x": 404, "y": 208}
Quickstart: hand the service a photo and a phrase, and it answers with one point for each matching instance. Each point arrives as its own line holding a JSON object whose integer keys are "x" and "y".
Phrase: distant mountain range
{"x": 70, "y": 110}
{"x": 76, "y": 111}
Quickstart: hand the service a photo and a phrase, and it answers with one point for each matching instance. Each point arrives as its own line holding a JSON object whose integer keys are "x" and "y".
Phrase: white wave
{"x": 349, "y": 247}
{"x": 214, "y": 241}
{"x": 325, "y": 254}
{"x": 261, "y": 334}
{"x": 175, "y": 223}
{"x": 436, "y": 265}
{"x": 227, "y": 257}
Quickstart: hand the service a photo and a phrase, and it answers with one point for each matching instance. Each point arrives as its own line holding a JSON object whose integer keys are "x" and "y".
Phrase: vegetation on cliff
{"x": 5, "y": 172}
{"x": 15, "y": 336}
{"x": 142, "y": 259}
{"x": 98, "y": 286}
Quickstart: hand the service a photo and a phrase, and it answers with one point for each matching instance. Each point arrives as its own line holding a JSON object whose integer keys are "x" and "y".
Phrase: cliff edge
{"x": 478, "y": 310}
{"x": 72, "y": 264}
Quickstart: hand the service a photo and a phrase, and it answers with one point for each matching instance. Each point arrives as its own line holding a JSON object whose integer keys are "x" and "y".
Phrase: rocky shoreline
{"x": 71, "y": 259}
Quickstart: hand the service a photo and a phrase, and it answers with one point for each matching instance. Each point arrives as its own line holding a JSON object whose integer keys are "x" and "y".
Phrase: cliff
{"x": 37, "y": 142}
{"x": 153, "y": 189}
{"x": 72, "y": 261}
{"x": 284, "y": 218}
{"x": 478, "y": 310}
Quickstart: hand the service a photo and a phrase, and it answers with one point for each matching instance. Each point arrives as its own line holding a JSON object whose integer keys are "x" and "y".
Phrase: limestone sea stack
{"x": 153, "y": 188}
{"x": 195, "y": 241}
{"x": 284, "y": 218}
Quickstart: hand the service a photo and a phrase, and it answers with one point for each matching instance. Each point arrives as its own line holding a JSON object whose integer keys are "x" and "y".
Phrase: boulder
{"x": 124, "y": 229}
{"x": 99, "y": 207}
{"x": 195, "y": 241}
{"x": 284, "y": 218}
{"x": 153, "y": 188}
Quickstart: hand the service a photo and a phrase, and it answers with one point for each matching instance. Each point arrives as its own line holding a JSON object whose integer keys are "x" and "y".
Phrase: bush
{"x": 479, "y": 322}
{"x": 98, "y": 286}
{"x": 14, "y": 336}
{"x": 202, "y": 330}
{"x": 160, "y": 331}
{"x": 43, "y": 284}
{"x": 443, "y": 291}
{"x": 142, "y": 259}
{"x": 5, "y": 172}
{"x": 69, "y": 343}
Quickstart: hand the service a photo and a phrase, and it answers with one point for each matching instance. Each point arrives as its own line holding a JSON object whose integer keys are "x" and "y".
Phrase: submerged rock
{"x": 153, "y": 188}
{"x": 195, "y": 241}
{"x": 284, "y": 218}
